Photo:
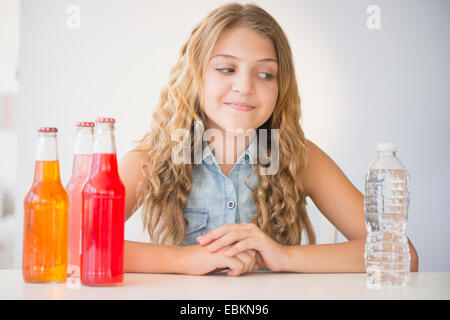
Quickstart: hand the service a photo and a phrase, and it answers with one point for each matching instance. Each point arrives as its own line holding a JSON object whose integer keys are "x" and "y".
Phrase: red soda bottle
{"x": 82, "y": 160}
{"x": 103, "y": 213}
{"x": 45, "y": 221}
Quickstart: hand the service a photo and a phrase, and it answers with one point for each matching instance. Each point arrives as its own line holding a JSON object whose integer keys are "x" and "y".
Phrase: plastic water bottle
{"x": 386, "y": 202}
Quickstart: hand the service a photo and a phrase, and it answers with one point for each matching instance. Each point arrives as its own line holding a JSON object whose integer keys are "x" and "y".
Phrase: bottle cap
{"x": 47, "y": 129}
{"x": 105, "y": 120}
{"x": 85, "y": 124}
{"x": 386, "y": 147}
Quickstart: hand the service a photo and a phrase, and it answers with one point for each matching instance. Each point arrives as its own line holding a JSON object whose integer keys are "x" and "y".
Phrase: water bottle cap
{"x": 47, "y": 129}
{"x": 85, "y": 124}
{"x": 386, "y": 147}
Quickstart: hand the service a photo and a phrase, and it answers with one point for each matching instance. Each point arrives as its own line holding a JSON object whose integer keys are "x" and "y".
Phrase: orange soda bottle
{"x": 82, "y": 160}
{"x": 45, "y": 223}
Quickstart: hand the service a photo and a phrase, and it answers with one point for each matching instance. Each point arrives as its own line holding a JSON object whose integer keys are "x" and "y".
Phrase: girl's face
{"x": 240, "y": 81}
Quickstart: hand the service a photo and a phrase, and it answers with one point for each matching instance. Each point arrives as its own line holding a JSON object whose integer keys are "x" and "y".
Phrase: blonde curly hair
{"x": 280, "y": 198}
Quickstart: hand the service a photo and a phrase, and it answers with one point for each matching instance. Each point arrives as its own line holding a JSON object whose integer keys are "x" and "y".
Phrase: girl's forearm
{"x": 336, "y": 257}
{"x": 326, "y": 258}
{"x": 152, "y": 258}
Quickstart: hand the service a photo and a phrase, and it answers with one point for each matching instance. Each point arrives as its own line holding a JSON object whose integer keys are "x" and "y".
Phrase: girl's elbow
{"x": 414, "y": 265}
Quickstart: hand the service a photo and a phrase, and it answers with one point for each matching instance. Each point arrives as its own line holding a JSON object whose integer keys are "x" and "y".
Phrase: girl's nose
{"x": 243, "y": 83}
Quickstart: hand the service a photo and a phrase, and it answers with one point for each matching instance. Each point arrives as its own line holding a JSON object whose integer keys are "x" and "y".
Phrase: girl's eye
{"x": 266, "y": 76}
{"x": 225, "y": 70}
{"x": 263, "y": 75}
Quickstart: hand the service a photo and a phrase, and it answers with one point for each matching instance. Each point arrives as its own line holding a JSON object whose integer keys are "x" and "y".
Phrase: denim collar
{"x": 250, "y": 155}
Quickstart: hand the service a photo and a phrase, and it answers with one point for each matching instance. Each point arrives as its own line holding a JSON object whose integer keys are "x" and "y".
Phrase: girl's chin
{"x": 238, "y": 127}
{"x": 224, "y": 123}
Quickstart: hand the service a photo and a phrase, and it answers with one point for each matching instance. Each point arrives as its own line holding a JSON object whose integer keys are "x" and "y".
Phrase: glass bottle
{"x": 103, "y": 213}
{"x": 45, "y": 223}
{"x": 82, "y": 160}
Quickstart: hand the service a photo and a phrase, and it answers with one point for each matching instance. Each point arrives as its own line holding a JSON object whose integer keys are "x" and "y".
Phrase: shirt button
{"x": 230, "y": 204}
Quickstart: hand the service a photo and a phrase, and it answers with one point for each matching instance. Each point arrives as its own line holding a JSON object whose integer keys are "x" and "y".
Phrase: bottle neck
{"x": 47, "y": 165}
{"x": 81, "y": 165}
{"x": 84, "y": 146}
{"x": 104, "y": 140}
{"x": 104, "y": 160}
{"x": 84, "y": 143}
{"x": 47, "y": 149}
{"x": 387, "y": 160}
{"x": 386, "y": 153}
{"x": 104, "y": 163}
{"x": 46, "y": 171}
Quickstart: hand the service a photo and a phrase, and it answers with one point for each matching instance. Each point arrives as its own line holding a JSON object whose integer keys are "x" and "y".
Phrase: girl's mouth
{"x": 240, "y": 106}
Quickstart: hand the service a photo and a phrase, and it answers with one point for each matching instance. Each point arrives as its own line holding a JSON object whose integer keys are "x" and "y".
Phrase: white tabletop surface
{"x": 219, "y": 286}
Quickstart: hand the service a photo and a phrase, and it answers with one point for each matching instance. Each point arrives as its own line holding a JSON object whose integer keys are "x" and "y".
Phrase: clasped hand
{"x": 244, "y": 238}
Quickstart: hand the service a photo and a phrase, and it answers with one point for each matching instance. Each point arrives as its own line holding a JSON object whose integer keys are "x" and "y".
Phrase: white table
{"x": 219, "y": 286}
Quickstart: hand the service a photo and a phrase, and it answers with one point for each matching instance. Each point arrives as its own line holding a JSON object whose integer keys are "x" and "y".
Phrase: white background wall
{"x": 358, "y": 87}
{"x": 9, "y": 49}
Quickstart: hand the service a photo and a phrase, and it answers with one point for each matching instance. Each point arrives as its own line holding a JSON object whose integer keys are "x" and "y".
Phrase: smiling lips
{"x": 241, "y": 106}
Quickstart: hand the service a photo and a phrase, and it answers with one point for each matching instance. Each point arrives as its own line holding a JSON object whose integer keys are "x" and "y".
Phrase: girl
{"x": 236, "y": 73}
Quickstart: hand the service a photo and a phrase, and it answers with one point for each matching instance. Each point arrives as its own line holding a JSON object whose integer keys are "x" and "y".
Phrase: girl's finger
{"x": 227, "y": 239}
{"x": 252, "y": 254}
{"x": 259, "y": 260}
{"x": 216, "y": 233}
{"x": 222, "y": 230}
{"x": 246, "y": 260}
{"x": 235, "y": 266}
{"x": 243, "y": 245}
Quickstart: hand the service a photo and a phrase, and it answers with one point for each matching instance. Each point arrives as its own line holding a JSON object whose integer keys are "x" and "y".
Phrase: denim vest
{"x": 216, "y": 199}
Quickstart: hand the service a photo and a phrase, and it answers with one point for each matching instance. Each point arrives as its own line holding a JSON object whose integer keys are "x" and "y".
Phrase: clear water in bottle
{"x": 386, "y": 201}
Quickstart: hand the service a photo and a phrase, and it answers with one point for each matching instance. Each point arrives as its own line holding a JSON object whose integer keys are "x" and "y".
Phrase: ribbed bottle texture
{"x": 386, "y": 203}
